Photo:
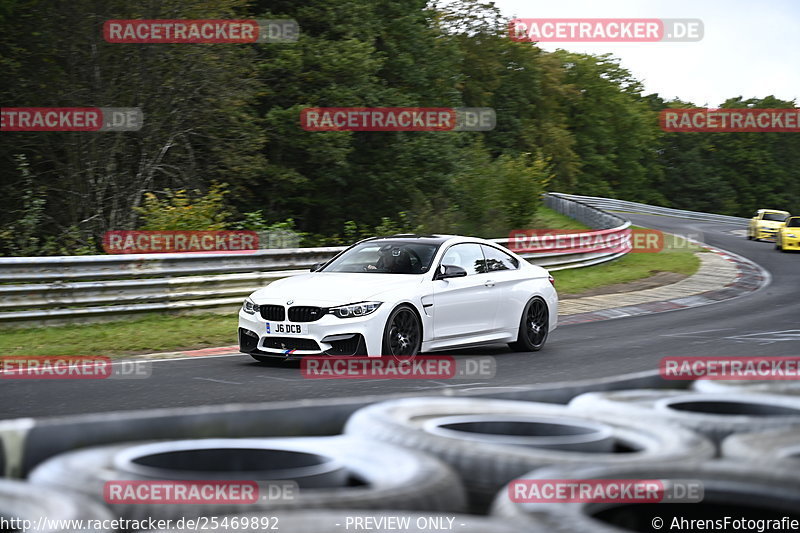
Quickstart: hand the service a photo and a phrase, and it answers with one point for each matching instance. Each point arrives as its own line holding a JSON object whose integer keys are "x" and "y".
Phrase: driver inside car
{"x": 393, "y": 259}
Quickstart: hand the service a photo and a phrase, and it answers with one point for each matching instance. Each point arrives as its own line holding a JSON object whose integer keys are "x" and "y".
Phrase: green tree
{"x": 177, "y": 210}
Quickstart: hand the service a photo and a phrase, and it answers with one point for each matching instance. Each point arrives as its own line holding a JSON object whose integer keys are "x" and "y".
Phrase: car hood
{"x": 332, "y": 288}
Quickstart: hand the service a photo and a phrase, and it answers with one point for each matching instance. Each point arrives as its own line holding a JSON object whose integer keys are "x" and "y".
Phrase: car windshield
{"x": 774, "y": 217}
{"x": 386, "y": 257}
{"x": 793, "y": 223}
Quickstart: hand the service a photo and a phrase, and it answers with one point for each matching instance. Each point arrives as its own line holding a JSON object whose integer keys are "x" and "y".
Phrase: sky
{"x": 750, "y": 48}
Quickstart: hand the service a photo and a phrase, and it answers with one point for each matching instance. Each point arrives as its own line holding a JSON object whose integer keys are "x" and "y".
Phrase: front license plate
{"x": 284, "y": 328}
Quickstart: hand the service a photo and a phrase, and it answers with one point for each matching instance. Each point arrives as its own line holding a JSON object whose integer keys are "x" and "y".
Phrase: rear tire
{"x": 534, "y": 327}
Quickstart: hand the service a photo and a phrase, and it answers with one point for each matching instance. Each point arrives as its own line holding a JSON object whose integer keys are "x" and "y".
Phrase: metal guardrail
{"x": 635, "y": 207}
{"x": 83, "y": 289}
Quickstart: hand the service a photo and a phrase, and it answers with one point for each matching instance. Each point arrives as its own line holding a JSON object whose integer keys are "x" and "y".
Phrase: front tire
{"x": 534, "y": 327}
{"x": 403, "y": 333}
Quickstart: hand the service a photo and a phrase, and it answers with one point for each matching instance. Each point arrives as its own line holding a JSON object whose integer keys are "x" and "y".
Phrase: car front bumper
{"x": 329, "y": 335}
{"x": 766, "y": 233}
{"x": 790, "y": 243}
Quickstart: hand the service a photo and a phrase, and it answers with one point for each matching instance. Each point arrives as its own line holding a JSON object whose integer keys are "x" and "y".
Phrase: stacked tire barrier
{"x": 779, "y": 447}
{"x": 729, "y": 489}
{"x": 489, "y": 442}
{"x": 424, "y": 462}
{"x": 736, "y": 386}
{"x": 714, "y": 415}
{"x": 330, "y": 472}
{"x": 32, "y": 503}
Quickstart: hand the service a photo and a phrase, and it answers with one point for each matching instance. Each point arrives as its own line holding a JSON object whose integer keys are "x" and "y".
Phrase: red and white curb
{"x": 750, "y": 277}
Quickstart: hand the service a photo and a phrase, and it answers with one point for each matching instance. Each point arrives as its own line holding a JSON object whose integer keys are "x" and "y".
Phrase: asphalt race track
{"x": 765, "y": 323}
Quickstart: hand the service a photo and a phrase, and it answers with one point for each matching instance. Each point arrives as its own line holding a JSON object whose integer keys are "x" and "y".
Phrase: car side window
{"x": 467, "y": 256}
{"x": 498, "y": 260}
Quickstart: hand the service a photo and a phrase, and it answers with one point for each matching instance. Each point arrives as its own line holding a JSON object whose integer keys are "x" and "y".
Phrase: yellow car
{"x": 788, "y": 236}
{"x": 765, "y": 223}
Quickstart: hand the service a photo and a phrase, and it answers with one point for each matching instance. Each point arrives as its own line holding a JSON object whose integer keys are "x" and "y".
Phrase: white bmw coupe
{"x": 402, "y": 295}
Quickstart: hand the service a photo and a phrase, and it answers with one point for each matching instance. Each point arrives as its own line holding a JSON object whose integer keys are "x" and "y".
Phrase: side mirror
{"x": 450, "y": 271}
{"x": 316, "y": 266}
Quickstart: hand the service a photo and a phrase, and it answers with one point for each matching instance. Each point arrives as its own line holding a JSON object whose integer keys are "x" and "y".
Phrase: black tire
{"x": 378, "y": 477}
{"x": 534, "y": 326}
{"x": 728, "y": 489}
{"x": 778, "y": 447}
{"x": 402, "y": 335}
{"x": 25, "y": 501}
{"x": 335, "y": 522}
{"x": 717, "y": 386}
{"x": 486, "y": 466}
{"x": 714, "y": 415}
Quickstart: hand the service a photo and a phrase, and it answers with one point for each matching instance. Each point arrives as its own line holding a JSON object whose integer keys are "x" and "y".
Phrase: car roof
{"x": 772, "y": 211}
{"x": 429, "y": 238}
{"x": 424, "y": 238}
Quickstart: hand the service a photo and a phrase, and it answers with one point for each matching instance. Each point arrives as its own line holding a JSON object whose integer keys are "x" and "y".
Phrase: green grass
{"x": 164, "y": 333}
{"x": 677, "y": 256}
{"x": 152, "y": 333}
{"x": 546, "y": 218}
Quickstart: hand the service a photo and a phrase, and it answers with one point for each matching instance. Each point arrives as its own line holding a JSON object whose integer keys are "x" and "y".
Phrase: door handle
{"x": 489, "y": 283}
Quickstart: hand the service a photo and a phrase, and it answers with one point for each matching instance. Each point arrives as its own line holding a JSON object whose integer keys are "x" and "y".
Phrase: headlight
{"x": 249, "y": 306}
{"x": 354, "y": 310}
{"x": 791, "y": 235}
